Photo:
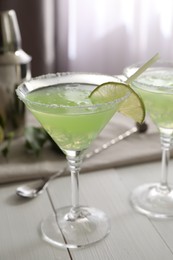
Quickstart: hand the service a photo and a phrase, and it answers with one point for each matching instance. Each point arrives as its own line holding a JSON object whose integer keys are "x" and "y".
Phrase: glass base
{"x": 75, "y": 230}
{"x": 151, "y": 200}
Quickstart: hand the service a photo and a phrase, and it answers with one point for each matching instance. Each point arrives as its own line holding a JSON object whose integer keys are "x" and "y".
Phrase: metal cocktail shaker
{"x": 14, "y": 68}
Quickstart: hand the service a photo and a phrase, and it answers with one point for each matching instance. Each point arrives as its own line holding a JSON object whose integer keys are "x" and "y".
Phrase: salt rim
{"x": 157, "y": 88}
{"x": 49, "y": 76}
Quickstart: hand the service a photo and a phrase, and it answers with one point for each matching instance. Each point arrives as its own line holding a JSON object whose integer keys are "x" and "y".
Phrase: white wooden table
{"x": 133, "y": 236}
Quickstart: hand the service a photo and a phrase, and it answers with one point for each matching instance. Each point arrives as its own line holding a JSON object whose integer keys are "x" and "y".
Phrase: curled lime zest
{"x": 142, "y": 68}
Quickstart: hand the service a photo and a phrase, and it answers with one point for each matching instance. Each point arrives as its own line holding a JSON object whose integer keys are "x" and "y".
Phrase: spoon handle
{"x": 112, "y": 142}
{"x": 139, "y": 128}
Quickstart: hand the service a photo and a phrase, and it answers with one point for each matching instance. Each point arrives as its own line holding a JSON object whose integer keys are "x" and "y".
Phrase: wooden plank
{"x": 20, "y": 237}
{"x": 165, "y": 228}
{"x": 145, "y": 174}
{"x": 132, "y": 235}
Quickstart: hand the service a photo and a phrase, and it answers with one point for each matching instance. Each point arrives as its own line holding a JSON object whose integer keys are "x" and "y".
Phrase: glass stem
{"x": 166, "y": 137}
{"x": 74, "y": 159}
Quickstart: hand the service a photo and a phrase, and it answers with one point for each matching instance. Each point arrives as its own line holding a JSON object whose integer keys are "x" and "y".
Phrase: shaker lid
{"x": 10, "y": 40}
{"x": 10, "y": 37}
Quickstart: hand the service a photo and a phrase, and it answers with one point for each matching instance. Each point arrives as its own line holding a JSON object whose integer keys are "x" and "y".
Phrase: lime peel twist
{"x": 142, "y": 68}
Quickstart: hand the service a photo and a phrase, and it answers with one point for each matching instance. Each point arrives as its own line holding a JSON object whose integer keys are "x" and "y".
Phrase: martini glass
{"x": 155, "y": 86}
{"x": 60, "y": 103}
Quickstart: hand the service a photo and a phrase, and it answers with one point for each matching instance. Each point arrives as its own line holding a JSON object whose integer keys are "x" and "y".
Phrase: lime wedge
{"x": 132, "y": 106}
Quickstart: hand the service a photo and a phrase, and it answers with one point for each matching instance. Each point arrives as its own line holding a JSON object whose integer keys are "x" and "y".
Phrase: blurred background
{"x": 94, "y": 35}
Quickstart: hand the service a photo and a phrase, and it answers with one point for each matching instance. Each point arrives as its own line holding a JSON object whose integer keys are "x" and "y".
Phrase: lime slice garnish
{"x": 132, "y": 106}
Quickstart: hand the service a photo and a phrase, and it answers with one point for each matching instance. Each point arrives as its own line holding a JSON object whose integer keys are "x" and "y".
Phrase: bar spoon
{"x": 32, "y": 191}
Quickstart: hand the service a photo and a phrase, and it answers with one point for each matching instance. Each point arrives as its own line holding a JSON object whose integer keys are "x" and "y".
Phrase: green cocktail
{"x": 70, "y": 127}
{"x": 60, "y": 102}
{"x": 156, "y": 89}
{"x": 158, "y": 99}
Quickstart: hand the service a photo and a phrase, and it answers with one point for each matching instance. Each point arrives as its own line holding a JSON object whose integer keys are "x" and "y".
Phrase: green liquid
{"x": 68, "y": 115}
{"x": 159, "y": 98}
